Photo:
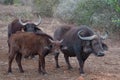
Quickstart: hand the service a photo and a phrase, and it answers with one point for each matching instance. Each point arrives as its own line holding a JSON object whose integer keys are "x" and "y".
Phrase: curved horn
{"x": 51, "y": 40}
{"x": 61, "y": 40}
{"x": 86, "y": 38}
{"x": 105, "y": 36}
{"x": 20, "y": 21}
{"x": 37, "y": 23}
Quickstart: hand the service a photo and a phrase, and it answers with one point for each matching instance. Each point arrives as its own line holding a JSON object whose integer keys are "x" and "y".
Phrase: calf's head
{"x": 94, "y": 44}
{"x": 56, "y": 46}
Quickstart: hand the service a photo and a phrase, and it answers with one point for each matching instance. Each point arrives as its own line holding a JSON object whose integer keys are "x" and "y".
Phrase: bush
{"x": 90, "y": 10}
{"x": 8, "y": 2}
{"x": 100, "y": 14}
{"x": 44, "y": 7}
{"x": 65, "y": 10}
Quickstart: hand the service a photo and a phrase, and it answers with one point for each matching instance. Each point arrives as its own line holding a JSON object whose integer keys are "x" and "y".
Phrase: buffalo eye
{"x": 105, "y": 47}
{"x": 95, "y": 43}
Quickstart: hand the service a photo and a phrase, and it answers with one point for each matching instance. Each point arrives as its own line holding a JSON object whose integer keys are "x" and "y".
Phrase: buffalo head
{"x": 94, "y": 44}
{"x": 30, "y": 26}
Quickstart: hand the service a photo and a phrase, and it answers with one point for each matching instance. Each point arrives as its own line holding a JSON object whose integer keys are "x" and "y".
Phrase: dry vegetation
{"x": 104, "y": 68}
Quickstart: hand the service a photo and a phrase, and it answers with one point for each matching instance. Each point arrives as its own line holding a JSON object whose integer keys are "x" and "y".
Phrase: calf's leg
{"x": 56, "y": 60}
{"x": 18, "y": 60}
{"x": 43, "y": 65}
{"x": 11, "y": 57}
{"x": 41, "y": 68}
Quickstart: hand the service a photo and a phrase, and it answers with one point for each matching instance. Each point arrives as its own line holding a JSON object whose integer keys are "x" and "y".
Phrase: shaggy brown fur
{"x": 27, "y": 43}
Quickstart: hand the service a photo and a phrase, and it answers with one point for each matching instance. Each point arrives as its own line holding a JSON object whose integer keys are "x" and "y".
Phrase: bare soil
{"x": 96, "y": 68}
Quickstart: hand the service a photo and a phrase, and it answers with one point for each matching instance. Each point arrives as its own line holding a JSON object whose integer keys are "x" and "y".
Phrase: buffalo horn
{"x": 37, "y": 23}
{"x": 51, "y": 40}
{"x": 61, "y": 40}
{"x": 105, "y": 36}
{"x": 86, "y": 38}
{"x": 22, "y": 23}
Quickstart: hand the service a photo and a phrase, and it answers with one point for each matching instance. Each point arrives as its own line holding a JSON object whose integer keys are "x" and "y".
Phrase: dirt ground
{"x": 96, "y": 68}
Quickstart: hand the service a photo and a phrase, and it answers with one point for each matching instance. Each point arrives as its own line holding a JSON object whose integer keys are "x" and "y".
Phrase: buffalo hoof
{"x": 43, "y": 73}
{"x": 81, "y": 71}
{"x": 82, "y": 74}
{"x": 22, "y": 71}
{"x": 58, "y": 66}
{"x": 70, "y": 67}
{"x": 9, "y": 73}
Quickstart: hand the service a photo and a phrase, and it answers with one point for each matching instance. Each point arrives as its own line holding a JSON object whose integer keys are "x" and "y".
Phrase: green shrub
{"x": 84, "y": 10}
{"x": 44, "y": 7}
{"x": 100, "y": 14}
{"x": 8, "y": 2}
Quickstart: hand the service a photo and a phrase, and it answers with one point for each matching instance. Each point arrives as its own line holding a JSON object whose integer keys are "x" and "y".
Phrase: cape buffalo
{"x": 28, "y": 43}
{"x": 19, "y": 25}
{"x": 81, "y": 42}
{"x": 27, "y": 26}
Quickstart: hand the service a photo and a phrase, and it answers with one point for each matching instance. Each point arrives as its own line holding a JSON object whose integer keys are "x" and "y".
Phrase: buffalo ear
{"x": 105, "y": 47}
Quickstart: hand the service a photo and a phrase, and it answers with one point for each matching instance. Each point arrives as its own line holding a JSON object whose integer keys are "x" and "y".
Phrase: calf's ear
{"x": 105, "y": 47}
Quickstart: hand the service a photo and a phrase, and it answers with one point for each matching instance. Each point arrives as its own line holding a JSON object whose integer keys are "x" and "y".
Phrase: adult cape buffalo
{"x": 19, "y": 25}
{"x": 81, "y": 42}
{"x": 27, "y": 26}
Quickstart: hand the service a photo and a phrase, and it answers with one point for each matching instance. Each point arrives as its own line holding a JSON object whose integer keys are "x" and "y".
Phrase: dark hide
{"x": 16, "y": 26}
{"x": 78, "y": 47}
{"x": 61, "y": 30}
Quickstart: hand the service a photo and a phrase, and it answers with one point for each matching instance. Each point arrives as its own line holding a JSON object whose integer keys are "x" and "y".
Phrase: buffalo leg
{"x": 43, "y": 65}
{"x": 67, "y": 61}
{"x": 39, "y": 68}
{"x": 8, "y": 46}
{"x": 18, "y": 60}
{"x": 81, "y": 64}
{"x": 11, "y": 57}
{"x": 80, "y": 60}
{"x": 56, "y": 60}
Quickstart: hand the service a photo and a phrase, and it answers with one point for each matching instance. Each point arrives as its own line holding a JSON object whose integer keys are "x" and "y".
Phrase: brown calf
{"x": 28, "y": 43}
